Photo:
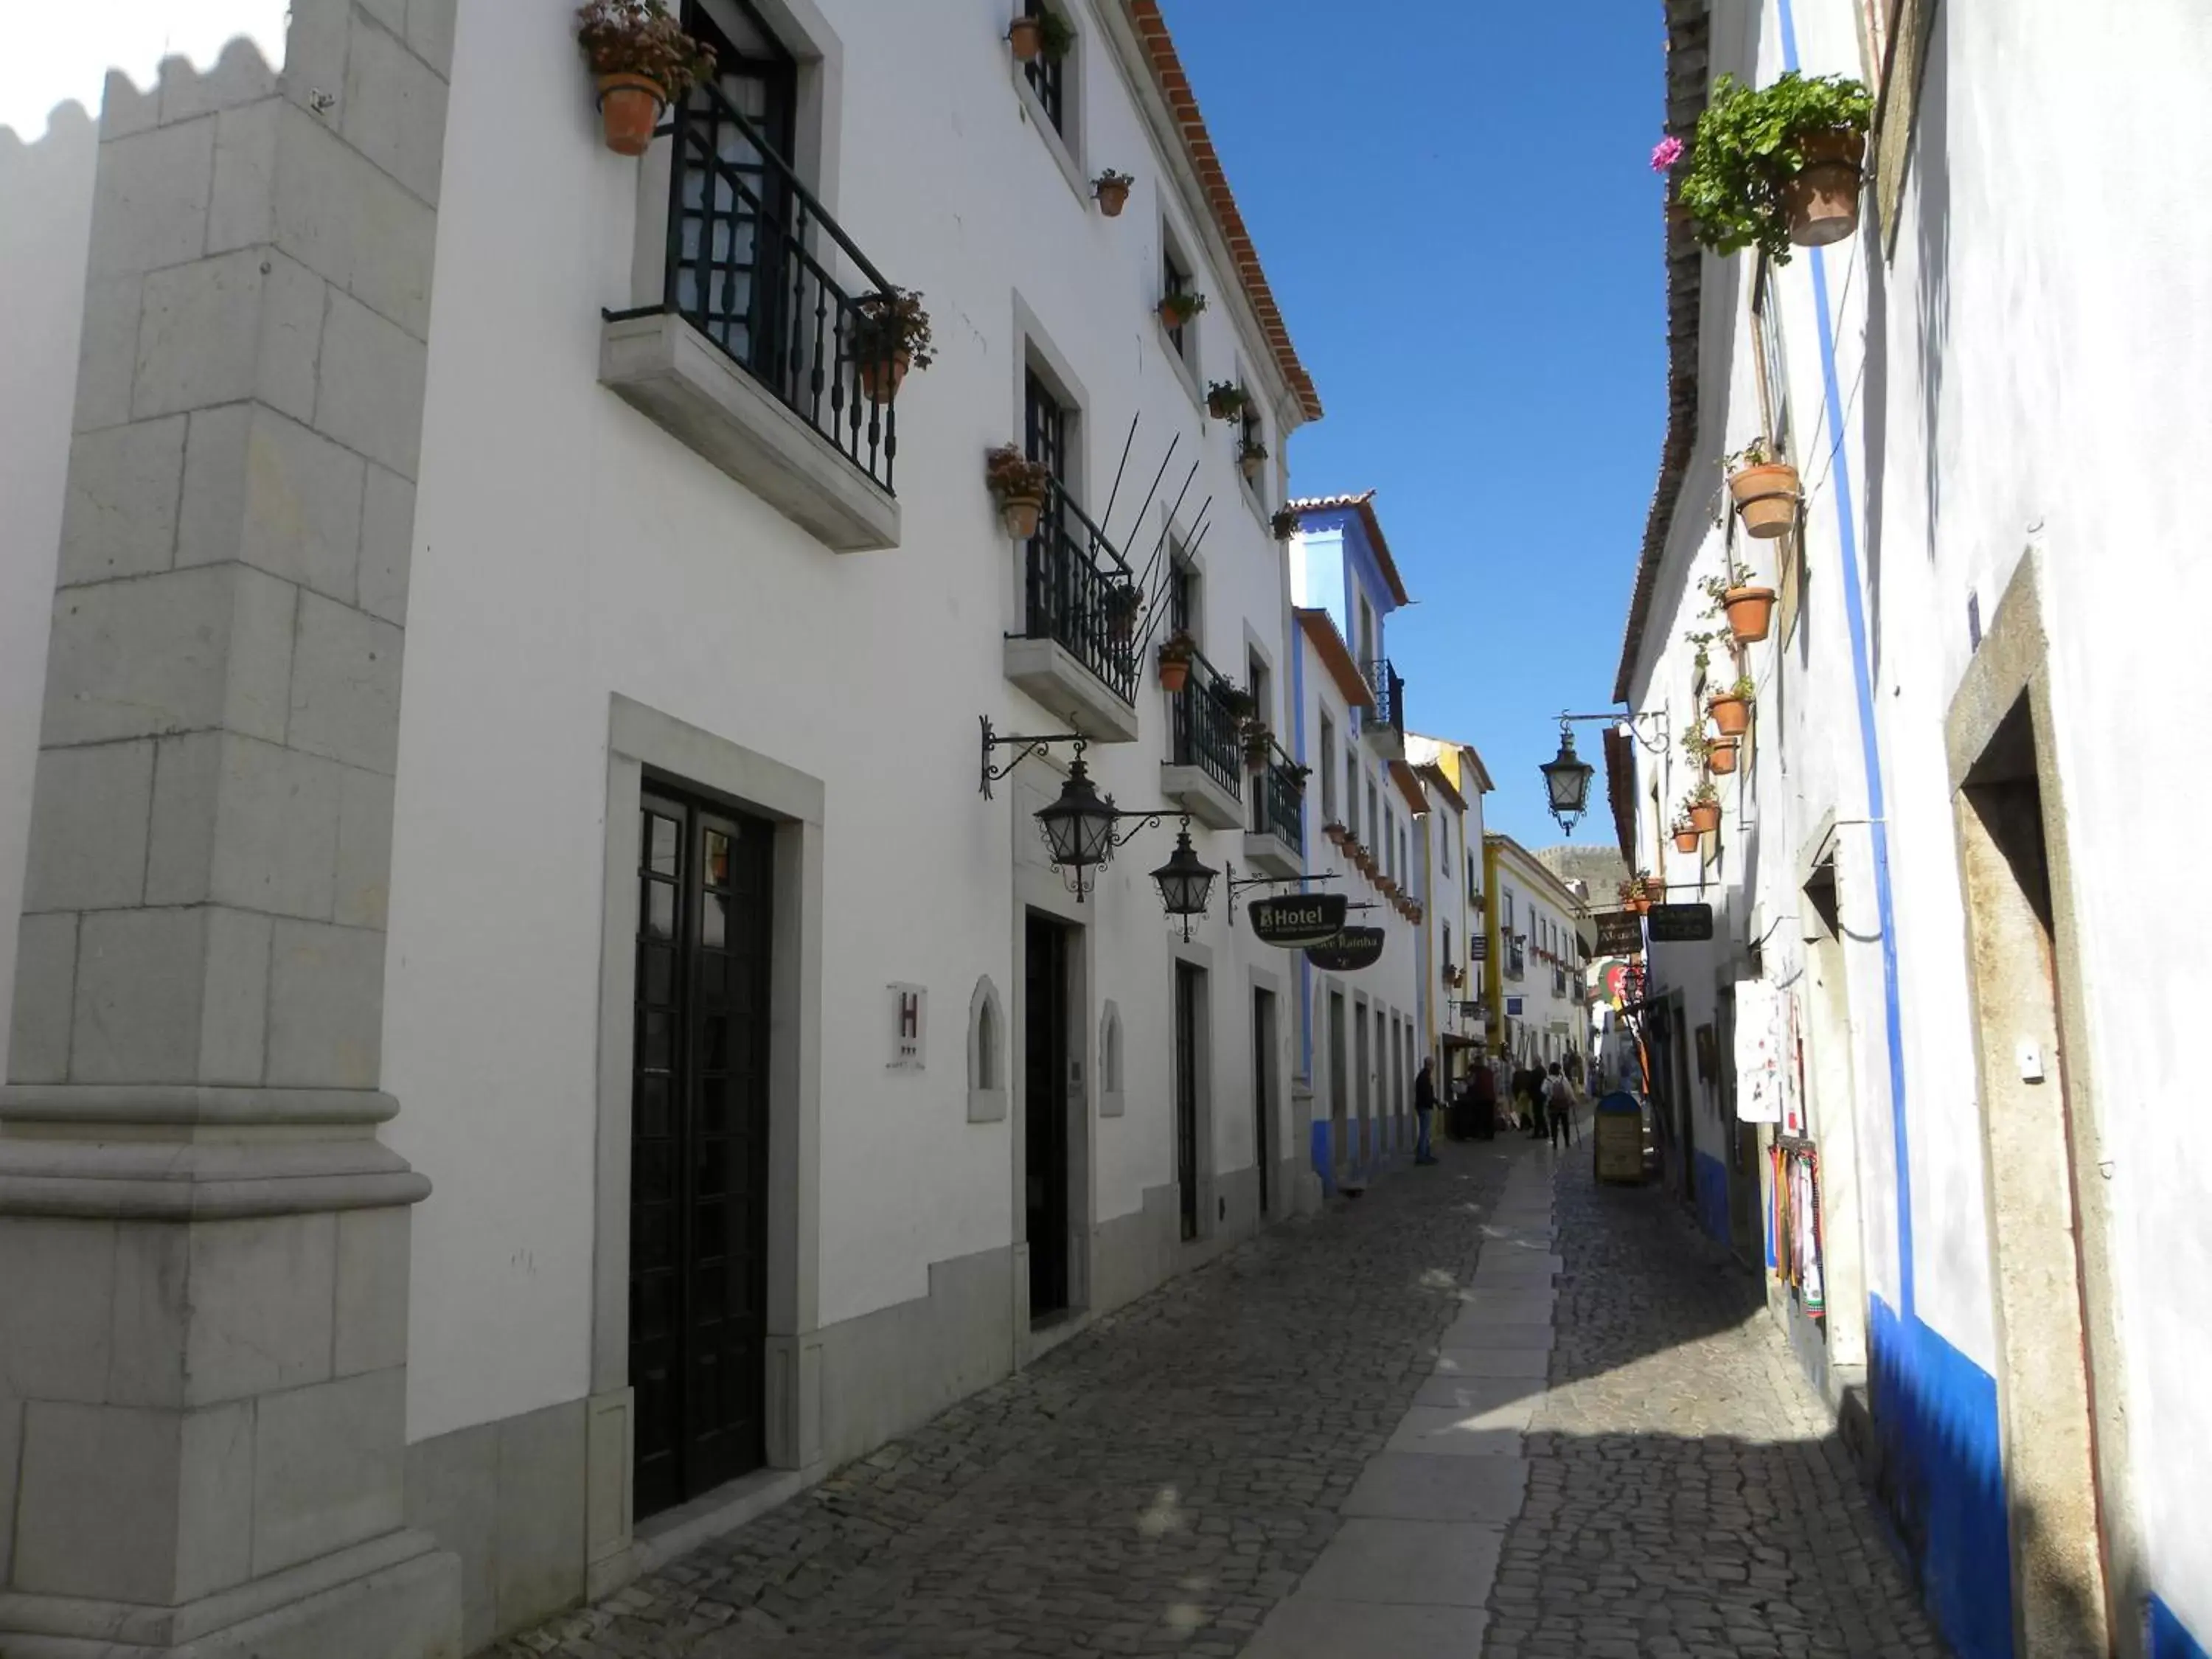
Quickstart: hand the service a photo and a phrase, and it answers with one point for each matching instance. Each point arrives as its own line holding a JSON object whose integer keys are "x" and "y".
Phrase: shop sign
{"x": 1681, "y": 924}
{"x": 1299, "y": 919}
{"x": 1619, "y": 932}
{"x": 1353, "y": 949}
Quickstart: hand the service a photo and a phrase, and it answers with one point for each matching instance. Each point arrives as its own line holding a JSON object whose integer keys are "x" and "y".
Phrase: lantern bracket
{"x": 1656, "y": 720}
{"x": 1030, "y": 745}
{"x": 1237, "y": 886}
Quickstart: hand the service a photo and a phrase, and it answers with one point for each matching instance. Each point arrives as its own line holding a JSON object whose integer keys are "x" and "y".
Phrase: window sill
{"x": 1185, "y": 369}
{"x": 674, "y": 376}
{"x": 987, "y": 1105}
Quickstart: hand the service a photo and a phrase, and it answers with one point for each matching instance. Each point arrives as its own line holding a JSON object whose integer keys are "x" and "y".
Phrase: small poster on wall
{"x": 1758, "y": 1051}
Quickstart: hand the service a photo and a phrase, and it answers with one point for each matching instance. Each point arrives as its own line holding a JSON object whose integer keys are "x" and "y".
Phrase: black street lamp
{"x": 1079, "y": 827}
{"x": 1567, "y": 779}
{"x": 1185, "y": 881}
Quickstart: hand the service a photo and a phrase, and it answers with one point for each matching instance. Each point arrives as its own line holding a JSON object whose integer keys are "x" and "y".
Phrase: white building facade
{"x": 1919, "y": 1067}
{"x": 1538, "y": 944}
{"x": 579, "y": 1088}
{"x": 1453, "y": 944}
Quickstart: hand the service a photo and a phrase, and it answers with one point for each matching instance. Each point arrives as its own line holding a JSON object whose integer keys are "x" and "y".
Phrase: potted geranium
{"x": 1235, "y": 702}
{"x": 1777, "y": 165}
{"x": 1112, "y": 190}
{"x": 1022, "y": 487}
{"x": 1686, "y": 837}
{"x": 889, "y": 334}
{"x": 1059, "y": 34}
{"x": 1251, "y": 456}
{"x": 1635, "y": 894}
{"x": 1335, "y": 834}
{"x": 1765, "y": 491}
{"x": 1225, "y": 400}
{"x": 1283, "y": 524}
{"x": 642, "y": 60}
{"x": 1731, "y": 709}
{"x": 1178, "y": 309}
{"x": 1702, "y": 808}
{"x": 1721, "y": 756}
{"x": 1696, "y": 745}
{"x": 1125, "y": 602}
{"x": 1176, "y": 654}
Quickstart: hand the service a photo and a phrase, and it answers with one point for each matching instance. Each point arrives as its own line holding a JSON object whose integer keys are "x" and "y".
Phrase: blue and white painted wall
{"x": 2004, "y": 376}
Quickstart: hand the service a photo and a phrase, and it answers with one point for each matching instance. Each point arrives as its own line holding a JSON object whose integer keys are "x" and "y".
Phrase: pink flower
{"x": 1669, "y": 152}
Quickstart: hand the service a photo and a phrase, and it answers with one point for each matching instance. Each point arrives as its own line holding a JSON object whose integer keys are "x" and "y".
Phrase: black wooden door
{"x": 1187, "y": 1000}
{"x": 1263, "y": 1070}
{"x": 698, "y": 1234}
{"x": 1044, "y": 1104}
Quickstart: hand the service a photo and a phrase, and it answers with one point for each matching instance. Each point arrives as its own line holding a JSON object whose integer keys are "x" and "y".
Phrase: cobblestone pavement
{"x": 1153, "y": 1488}
{"x": 1687, "y": 1493}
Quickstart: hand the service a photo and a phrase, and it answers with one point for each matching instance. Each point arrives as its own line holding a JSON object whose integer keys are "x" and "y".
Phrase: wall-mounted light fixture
{"x": 1567, "y": 775}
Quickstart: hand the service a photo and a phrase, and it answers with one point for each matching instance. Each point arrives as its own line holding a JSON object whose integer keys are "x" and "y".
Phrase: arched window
{"x": 986, "y": 1057}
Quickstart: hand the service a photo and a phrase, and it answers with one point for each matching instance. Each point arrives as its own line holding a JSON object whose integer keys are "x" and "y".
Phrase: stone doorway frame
{"x": 2008, "y": 680}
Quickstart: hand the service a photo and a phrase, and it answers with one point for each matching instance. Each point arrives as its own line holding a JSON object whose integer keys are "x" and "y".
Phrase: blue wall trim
{"x": 2169, "y": 1638}
{"x": 1713, "y": 1183}
{"x": 1941, "y": 1477}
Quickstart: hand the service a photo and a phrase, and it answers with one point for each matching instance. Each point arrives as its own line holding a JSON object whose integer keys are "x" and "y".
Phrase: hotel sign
{"x": 1349, "y": 952}
{"x": 1299, "y": 919}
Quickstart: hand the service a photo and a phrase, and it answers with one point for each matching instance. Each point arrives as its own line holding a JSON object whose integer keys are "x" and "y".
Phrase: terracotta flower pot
{"x": 1731, "y": 713}
{"x": 881, "y": 377}
{"x": 1171, "y": 313}
{"x": 1641, "y": 904}
{"x": 1020, "y": 514}
{"x": 1705, "y": 816}
{"x": 1720, "y": 759}
{"x": 1175, "y": 674}
{"x": 1113, "y": 197}
{"x": 1026, "y": 36}
{"x": 1251, "y": 465}
{"x": 629, "y": 109}
{"x": 1750, "y": 613}
{"x": 1685, "y": 841}
{"x": 1822, "y": 202}
{"x": 1765, "y": 499}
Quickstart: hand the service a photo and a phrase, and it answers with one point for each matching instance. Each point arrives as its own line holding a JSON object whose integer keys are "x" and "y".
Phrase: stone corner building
{"x": 470, "y": 1127}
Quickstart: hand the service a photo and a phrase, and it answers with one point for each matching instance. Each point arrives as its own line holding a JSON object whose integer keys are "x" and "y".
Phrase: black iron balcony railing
{"x": 1558, "y": 982}
{"x": 743, "y": 236}
{"x": 1208, "y": 727}
{"x": 1281, "y": 809}
{"x": 1074, "y": 574}
{"x": 1516, "y": 959}
{"x": 1389, "y": 695}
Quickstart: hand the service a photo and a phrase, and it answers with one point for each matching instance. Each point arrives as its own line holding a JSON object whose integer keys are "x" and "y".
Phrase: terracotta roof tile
{"x": 1175, "y": 86}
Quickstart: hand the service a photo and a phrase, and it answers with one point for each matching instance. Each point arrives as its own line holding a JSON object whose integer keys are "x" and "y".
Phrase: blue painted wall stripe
{"x": 2169, "y": 1638}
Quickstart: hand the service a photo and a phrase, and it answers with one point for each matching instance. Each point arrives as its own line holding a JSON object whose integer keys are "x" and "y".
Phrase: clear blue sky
{"x": 1454, "y": 207}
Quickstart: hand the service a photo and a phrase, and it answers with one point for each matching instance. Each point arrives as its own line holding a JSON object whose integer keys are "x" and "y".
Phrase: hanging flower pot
{"x": 1177, "y": 309}
{"x": 1765, "y": 490}
{"x": 1686, "y": 839}
{"x": 889, "y": 334}
{"x": 1175, "y": 663}
{"x": 1750, "y": 612}
{"x": 1112, "y": 190}
{"x": 1283, "y": 524}
{"x": 1123, "y": 605}
{"x": 1021, "y": 486}
{"x": 1335, "y": 834}
{"x": 1251, "y": 456}
{"x": 1731, "y": 709}
{"x": 1225, "y": 400}
{"x": 1721, "y": 757}
{"x": 1705, "y": 815}
{"x": 641, "y": 62}
{"x": 1822, "y": 202}
{"x": 1025, "y": 34}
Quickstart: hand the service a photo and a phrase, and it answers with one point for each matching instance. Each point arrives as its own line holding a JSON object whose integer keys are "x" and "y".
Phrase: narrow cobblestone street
{"x": 1324, "y": 1434}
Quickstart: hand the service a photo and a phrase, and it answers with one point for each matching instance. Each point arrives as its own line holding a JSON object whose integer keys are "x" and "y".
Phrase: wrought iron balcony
{"x": 1390, "y": 695}
{"x": 1517, "y": 958}
{"x": 1207, "y": 729}
{"x": 1078, "y": 646}
{"x": 746, "y": 266}
{"x": 1282, "y": 806}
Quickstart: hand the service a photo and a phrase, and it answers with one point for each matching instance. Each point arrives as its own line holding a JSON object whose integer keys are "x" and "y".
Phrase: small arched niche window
{"x": 987, "y": 1054}
{"x": 1111, "y": 1101}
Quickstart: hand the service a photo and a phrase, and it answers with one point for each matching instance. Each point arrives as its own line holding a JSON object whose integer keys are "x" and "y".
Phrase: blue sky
{"x": 1455, "y": 210}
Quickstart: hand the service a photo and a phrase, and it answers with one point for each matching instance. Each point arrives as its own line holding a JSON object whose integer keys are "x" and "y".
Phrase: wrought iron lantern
{"x": 1185, "y": 881}
{"x": 1567, "y": 779}
{"x": 1079, "y": 827}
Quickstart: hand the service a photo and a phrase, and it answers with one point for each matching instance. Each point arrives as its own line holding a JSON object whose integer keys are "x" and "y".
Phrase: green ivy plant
{"x": 1750, "y": 143}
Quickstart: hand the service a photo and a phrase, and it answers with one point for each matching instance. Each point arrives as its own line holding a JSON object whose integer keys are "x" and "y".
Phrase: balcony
{"x": 1076, "y": 653}
{"x": 1276, "y": 842}
{"x": 1206, "y": 772}
{"x": 1517, "y": 958}
{"x": 752, "y": 354}
{"x": 1385, "y": 728}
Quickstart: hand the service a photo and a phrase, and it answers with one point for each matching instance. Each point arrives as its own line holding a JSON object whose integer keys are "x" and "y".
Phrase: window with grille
{"x": 1174, "y": 278}
{"x": 1047, "y": 78}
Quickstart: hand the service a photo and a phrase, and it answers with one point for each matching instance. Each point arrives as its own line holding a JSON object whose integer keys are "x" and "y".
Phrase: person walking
{"x": 1559, "y": 1106}
{"x": 1528, "y": 1086}
{"x": 1425, "y": 1108}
